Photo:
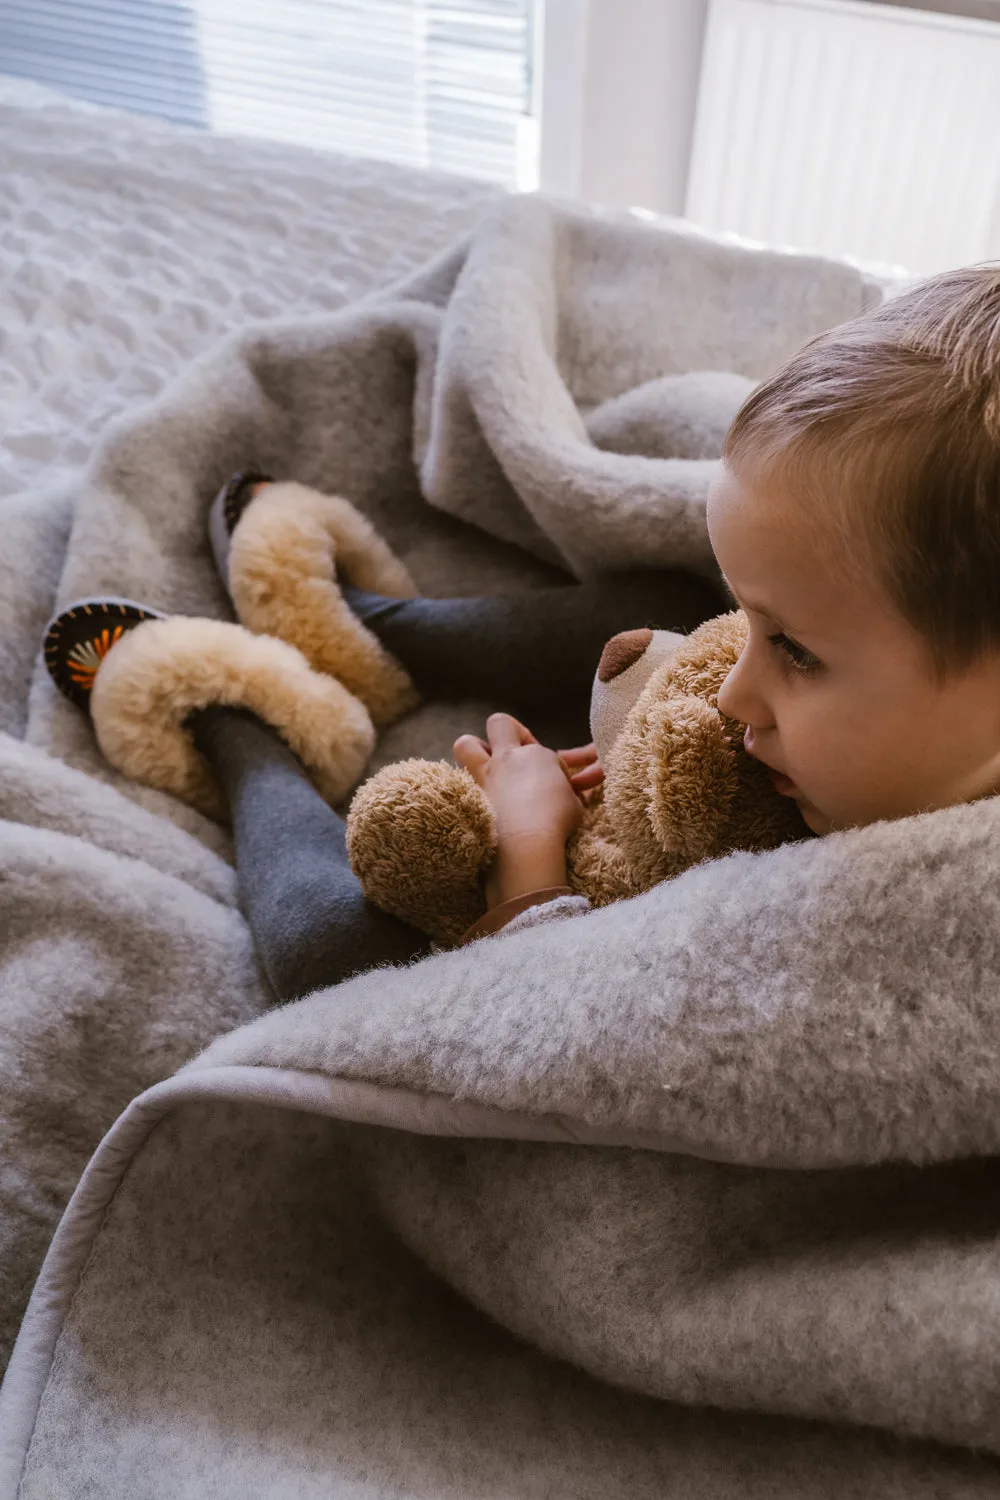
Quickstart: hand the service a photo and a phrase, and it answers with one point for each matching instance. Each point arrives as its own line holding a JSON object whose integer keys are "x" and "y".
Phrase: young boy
{"x": 856, "y": 520}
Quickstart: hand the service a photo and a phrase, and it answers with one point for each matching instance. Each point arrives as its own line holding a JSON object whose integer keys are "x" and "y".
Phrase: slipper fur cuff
{"x": 162, "y": 670}
{"x": 285, "y": 556}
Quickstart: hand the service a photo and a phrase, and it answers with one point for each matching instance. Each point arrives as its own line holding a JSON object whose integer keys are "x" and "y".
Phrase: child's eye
{"x": 801, "y": 659}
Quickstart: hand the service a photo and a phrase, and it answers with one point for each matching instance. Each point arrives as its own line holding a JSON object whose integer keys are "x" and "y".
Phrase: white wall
{"x": 619, "y": 87}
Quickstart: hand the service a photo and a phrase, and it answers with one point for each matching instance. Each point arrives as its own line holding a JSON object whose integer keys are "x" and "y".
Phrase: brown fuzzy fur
{"x": 443, "y": 829}
{"x": 286, "y": 553}
{"x": 152, "y": 679}
{"x": 679, "y": 788}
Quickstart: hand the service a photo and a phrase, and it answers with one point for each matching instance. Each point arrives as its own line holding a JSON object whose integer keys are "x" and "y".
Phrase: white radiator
{"x": 852, "y": 129}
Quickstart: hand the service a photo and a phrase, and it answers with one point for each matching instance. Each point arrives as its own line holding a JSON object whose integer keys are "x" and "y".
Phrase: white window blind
{"x": 423, "y": 82}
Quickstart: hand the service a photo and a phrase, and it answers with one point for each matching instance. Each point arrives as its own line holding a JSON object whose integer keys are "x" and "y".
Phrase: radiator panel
{"x": 852, "y": 129}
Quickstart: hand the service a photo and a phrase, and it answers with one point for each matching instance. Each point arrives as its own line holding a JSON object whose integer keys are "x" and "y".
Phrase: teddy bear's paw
{"x": 164, "y": 670}
{"x": 290, "y": 548}
{"x": 420, "y": 834}
{"x": 671, "y": 786}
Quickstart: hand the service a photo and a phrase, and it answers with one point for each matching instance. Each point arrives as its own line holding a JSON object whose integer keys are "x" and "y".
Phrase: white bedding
{"x": 127, "y": 246}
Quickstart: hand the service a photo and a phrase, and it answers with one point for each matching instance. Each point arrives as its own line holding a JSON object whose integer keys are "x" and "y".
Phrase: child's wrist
{"x": 523, "y": 863}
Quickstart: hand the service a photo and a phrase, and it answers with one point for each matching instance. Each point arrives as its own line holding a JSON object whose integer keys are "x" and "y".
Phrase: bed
{"x": 694, "y": 1196}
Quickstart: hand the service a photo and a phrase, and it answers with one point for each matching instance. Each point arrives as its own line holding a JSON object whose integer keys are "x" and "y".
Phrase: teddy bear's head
{"x": 680, "y": 787}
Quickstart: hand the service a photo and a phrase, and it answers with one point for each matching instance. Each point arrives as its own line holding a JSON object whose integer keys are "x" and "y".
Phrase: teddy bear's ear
{"x": 671, "y": 786}
{"x": 419, "y": 834}
{"x": 627, "y": 663}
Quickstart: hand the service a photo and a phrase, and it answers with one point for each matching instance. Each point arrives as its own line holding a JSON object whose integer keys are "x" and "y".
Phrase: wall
{"x": 619, "y": 85}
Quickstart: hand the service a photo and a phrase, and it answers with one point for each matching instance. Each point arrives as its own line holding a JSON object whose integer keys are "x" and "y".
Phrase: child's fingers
{"x": 582, "y": 755}
{"x": 582, "y": 767}
{"x": 504, "y": 732}
{"x": 588, "y": 778}
{"x": 472, "y": 754}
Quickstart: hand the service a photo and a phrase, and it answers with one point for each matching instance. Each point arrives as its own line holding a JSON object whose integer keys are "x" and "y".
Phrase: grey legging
{"x": 533, "y": 654}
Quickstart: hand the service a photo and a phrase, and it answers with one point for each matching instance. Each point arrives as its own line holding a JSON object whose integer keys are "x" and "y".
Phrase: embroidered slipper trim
{"x": 79, "y": 638}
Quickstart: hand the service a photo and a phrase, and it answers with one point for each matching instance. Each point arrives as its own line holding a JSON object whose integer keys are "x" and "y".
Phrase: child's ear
{"x": 627, "y": 663}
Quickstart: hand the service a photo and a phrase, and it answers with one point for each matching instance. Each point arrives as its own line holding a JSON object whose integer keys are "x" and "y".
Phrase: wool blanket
{"x": 693, "y": 1196}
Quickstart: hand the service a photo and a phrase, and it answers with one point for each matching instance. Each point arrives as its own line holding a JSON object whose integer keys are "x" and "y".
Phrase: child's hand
{"x": 526, "y": 783}
{"x": 534, "y": 802}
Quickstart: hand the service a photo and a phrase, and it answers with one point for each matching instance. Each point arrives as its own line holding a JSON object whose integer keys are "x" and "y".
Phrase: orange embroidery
{"x": 85, "y": 658}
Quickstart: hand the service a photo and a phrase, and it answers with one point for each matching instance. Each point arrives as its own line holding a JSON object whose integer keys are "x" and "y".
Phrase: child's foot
{"x": 79, "y": 638}
{"x": 227, "y": 508}
{"x": 286, "y": 551}
{"x": 146, "y": 692}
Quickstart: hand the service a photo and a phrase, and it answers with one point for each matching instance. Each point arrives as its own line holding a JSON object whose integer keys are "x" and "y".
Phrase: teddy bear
{"x": 679, "y": 788}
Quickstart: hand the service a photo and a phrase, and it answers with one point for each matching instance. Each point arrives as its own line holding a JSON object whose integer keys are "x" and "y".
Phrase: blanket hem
{"x": 353, "y": 1101}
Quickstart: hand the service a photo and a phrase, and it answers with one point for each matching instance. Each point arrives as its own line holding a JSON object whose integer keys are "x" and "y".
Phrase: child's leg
{"x": 536, "y": 647}
{"x": 310, "y": 923}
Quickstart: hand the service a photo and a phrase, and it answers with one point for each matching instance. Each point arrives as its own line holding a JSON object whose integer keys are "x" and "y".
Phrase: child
{"x": 856, "y": 520}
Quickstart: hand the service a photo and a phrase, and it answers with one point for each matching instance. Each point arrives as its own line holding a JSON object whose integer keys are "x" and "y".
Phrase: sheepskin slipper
{"x": 285, "y": 555}
{"x": 161, "y": 671}
{"x": 226, "y": 511}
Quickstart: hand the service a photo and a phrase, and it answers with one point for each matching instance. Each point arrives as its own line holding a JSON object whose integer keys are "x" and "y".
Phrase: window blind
{"x": 422, "y": 82}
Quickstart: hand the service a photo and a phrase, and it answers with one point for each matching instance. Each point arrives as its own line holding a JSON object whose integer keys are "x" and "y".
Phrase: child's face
{"x": 837, "y": 689}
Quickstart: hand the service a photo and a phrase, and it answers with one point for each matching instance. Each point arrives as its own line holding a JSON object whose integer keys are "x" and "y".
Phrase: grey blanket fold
{"x": 711, "y": 1172}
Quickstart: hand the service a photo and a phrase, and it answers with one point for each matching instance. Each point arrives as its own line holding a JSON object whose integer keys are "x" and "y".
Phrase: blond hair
{"x": 902, "y": 408}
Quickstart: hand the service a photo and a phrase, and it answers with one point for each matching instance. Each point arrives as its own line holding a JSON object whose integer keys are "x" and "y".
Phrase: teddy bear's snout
{"x": 621, "y": 652}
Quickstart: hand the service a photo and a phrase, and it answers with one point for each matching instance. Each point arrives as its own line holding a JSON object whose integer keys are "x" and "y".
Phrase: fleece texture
{"x": 281, "y": 1340}
{"x": 134, "y": 247}
{"x": 749, "y": 1165}
{"x": 693, "y": 1195}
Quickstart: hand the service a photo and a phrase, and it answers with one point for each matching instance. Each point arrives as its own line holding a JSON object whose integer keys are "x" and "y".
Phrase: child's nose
{"x": 738, "y": 699}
